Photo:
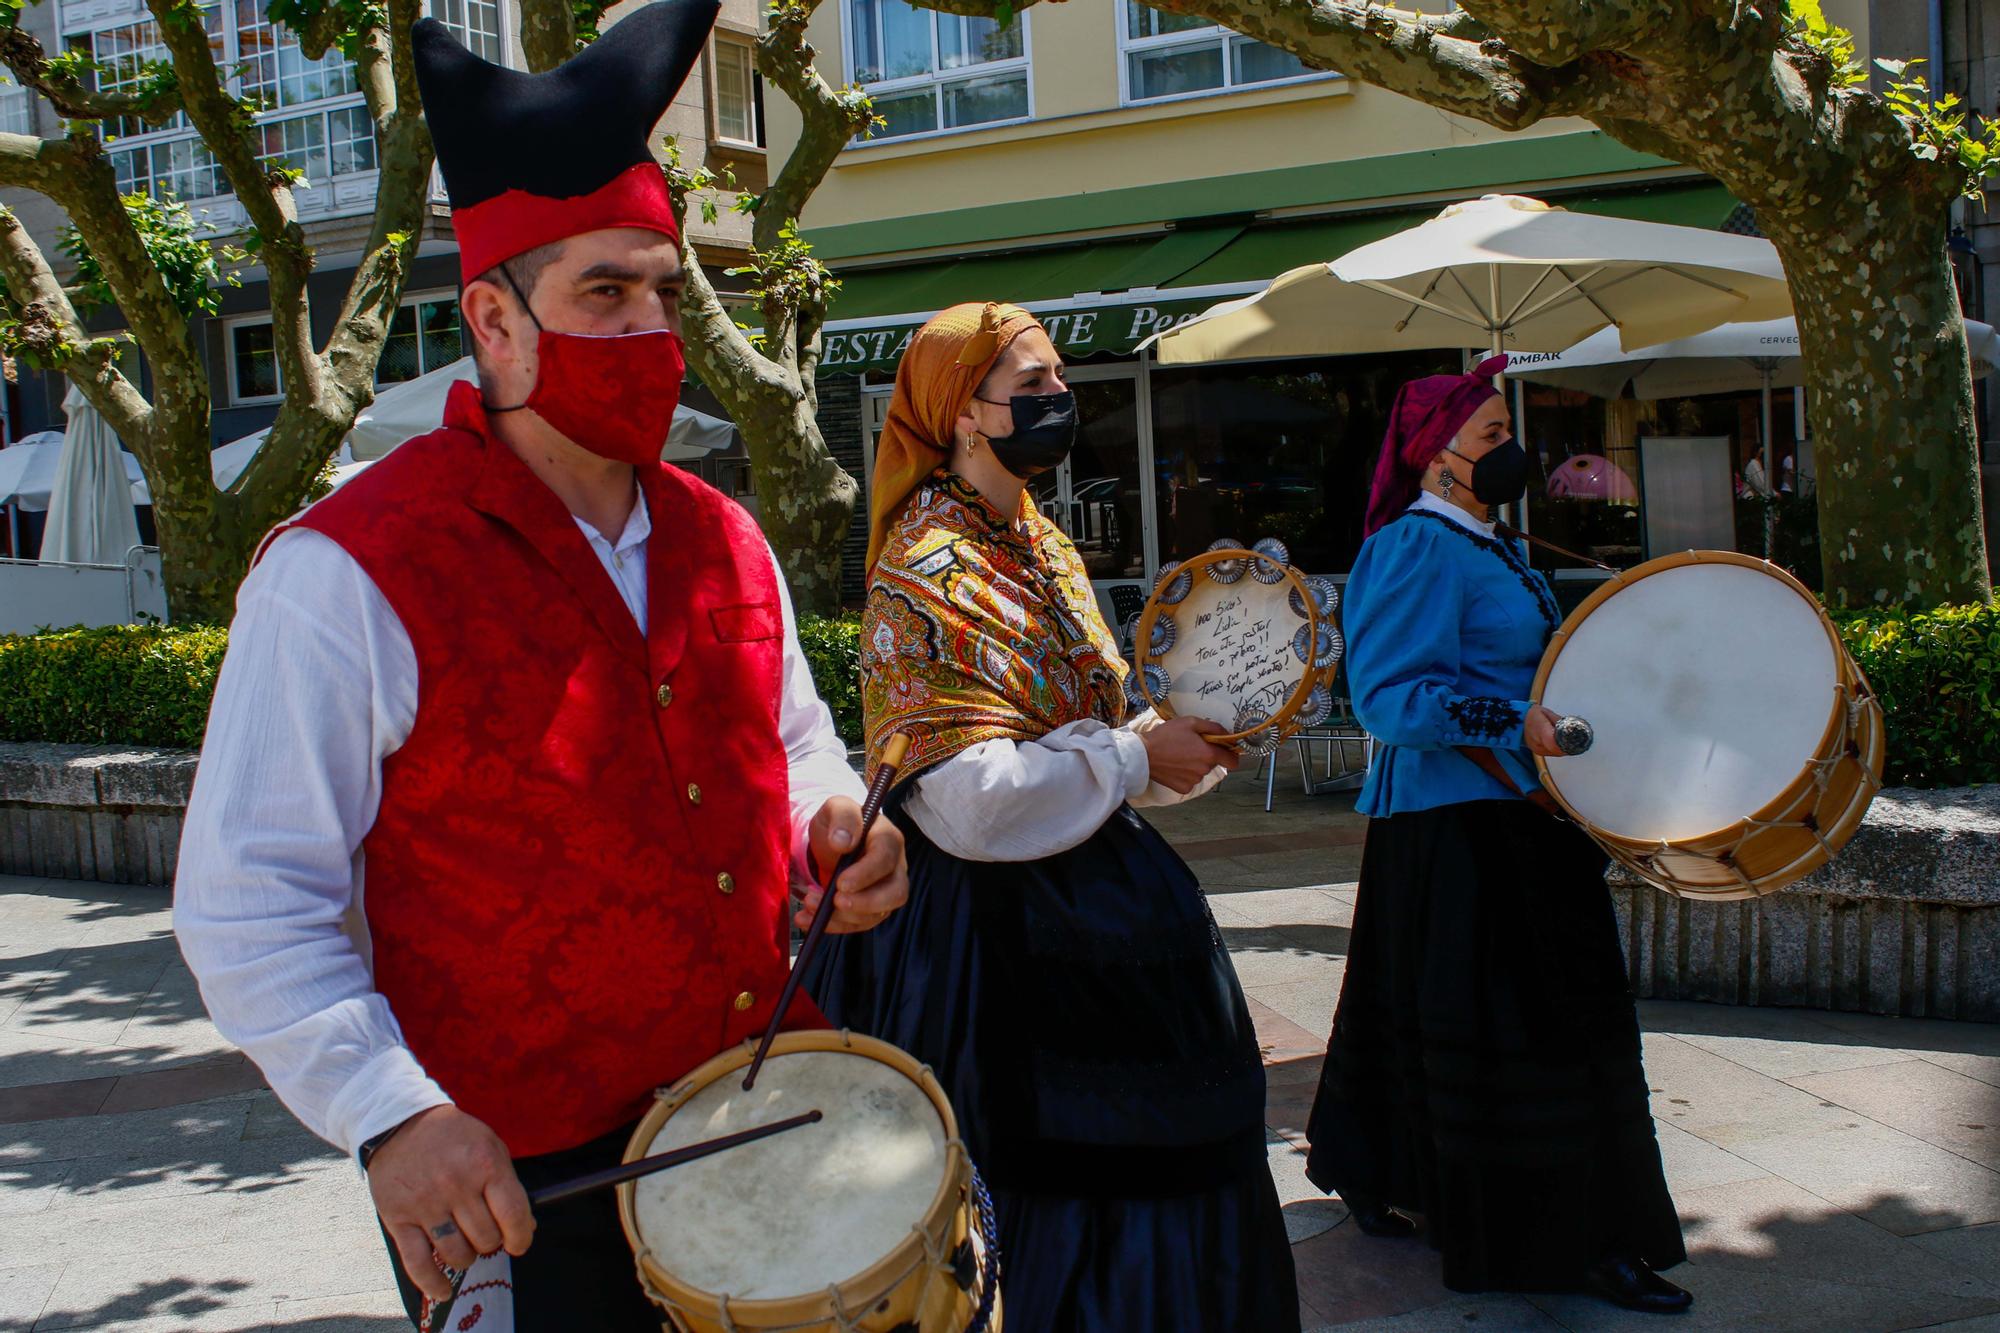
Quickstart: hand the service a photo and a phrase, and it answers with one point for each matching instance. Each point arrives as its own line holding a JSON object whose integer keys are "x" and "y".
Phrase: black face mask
{"x": 1500, "y": 475}
{"x": 1044, "y": 432}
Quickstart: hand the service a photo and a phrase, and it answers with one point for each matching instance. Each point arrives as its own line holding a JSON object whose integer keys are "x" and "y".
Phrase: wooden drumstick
{"x": 893, "y": 754}
{"x": 646, "y": 1166}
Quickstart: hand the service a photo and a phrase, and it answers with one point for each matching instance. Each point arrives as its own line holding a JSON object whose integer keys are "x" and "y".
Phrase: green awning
{"x": 877, "y": 309}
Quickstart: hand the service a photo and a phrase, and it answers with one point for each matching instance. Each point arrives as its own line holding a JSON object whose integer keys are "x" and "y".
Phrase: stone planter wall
{"x": 1905, "y": 921}
{"x": 102, "y": 812}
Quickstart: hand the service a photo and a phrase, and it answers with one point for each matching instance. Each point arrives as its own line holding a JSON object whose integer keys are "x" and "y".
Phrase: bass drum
{"x": 1737, "y": 743}
{"x": 872, "y": 1219}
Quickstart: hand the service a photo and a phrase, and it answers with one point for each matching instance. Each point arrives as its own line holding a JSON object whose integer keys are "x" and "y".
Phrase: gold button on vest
{"x": 726, "y": 882}
{"x": 694, "y": 793}
{"x": 744, "y": 1001}
{"x": 666, "y": 694}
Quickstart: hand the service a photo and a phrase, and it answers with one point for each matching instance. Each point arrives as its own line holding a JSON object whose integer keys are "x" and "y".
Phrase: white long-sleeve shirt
{"x": 319, "y": 687}
{"x": 1022, "y": 801}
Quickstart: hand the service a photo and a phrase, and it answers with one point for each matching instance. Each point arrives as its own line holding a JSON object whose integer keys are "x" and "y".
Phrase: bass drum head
{"x": 799, "y": 1212}
{"x": 1710, "y": 686}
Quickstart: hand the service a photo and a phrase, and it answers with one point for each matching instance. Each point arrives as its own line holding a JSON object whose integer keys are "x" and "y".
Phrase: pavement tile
{"x": 228, "y": 1076}
{"x": 1303, "y": 905}
{"x": 31, "y": 1187}
{"x": 1694, "y": 1163}
{"x": 255, "y": 1167}
{"x": 1973, "y": 1249}
{"x": 1924, "y": 1100}
{"x": 247, "y": 1277}
{"x": 29, "y": 1059}
{"x": 175, "y": 1129}
{"x": 1491, "y": 1313}
{"x": 24, "y": 1292}
{"x": 1729, "y": 1105}
{"x": 1347, "y": 1276}
{"x": 270, "y": 1120}
{"x": 54, "y": 1101}
{"x": 1778, "y": 1043}
{"x": 1768, "y": 1303}
{"x": 1309, "y": 1004}
{"x": 1770, "y": 1225}
{"x": 87, "y": 1003}
{"x": 1896, "y": 1181}
{"x": 378, "y": 1311}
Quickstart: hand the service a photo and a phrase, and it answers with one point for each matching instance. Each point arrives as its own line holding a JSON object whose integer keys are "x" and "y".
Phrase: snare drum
{"x": 872, "y": 1219}
{"x": 1737, "y": 743}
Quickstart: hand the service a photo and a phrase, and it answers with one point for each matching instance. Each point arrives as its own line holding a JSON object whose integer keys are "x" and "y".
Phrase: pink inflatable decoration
{"x": 1590, "y": 477}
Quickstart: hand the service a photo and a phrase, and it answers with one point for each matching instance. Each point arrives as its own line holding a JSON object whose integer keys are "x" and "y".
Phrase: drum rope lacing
{"x": 934, "y": 1255}
{"x": 1822, "y": 770}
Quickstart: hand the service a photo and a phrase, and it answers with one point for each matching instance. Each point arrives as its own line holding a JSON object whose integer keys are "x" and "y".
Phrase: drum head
{"x": 1710, "y": 687}
{"x": 798, "y": 1212}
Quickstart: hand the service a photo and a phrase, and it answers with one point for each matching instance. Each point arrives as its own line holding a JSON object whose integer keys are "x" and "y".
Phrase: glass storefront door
{"x": 1097, "y": 496}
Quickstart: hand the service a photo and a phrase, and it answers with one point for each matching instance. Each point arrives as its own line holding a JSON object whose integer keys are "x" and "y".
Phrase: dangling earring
{"x": 1445, "y": 482}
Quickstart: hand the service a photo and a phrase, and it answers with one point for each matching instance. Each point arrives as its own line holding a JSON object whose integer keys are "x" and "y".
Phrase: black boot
{"x": 1379, "y": 1220}
{"x": 1627, "y": 1281}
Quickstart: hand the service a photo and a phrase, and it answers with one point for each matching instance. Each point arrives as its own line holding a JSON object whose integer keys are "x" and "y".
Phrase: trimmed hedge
{"x": 125, "y": 684}
{"x": 1938, "y": 676}
{"x": 832, "y": 645}
{"x": 1937, "y": 672}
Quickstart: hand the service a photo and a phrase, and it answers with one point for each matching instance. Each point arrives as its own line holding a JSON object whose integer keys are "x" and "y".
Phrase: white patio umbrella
{"x": 407, "y": 410}
{"x": 1730, "y": 358}
{"x": 90, "y": 502}
{"x": 1504, "y": 272}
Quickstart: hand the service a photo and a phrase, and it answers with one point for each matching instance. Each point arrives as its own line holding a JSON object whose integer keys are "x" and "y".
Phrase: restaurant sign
{"x": 1077, "y": 331}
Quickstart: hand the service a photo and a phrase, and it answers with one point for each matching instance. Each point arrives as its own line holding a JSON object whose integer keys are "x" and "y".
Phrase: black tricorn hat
{"x": 532, "y": 158}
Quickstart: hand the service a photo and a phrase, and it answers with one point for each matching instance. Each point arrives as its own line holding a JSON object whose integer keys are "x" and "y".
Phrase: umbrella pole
{"x": 1770, "y": 476}
{"x": 1521, "y": 434}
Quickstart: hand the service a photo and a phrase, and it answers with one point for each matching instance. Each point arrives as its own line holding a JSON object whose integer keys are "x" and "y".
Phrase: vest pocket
{"x": 747, "y": 622}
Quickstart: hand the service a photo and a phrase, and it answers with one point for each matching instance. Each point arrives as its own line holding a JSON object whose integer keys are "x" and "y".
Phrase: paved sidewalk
{"x": 1834, "y": 1172}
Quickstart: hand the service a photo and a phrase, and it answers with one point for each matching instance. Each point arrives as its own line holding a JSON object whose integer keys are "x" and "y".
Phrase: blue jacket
{"x": 1445, "y": 628}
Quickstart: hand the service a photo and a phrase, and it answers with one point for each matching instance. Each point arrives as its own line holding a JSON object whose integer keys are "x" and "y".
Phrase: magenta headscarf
{"x": 1426, "y": 417}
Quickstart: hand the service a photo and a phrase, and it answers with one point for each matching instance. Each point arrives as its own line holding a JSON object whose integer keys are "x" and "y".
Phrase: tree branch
{"x": 548, "y": 33}
{"x": 74, "y": 98}
{"x": 228, "y": 130}
{"x": 830, "y": 119}
{"x": 74, "y": 173}
{"x": 50, "y": 331}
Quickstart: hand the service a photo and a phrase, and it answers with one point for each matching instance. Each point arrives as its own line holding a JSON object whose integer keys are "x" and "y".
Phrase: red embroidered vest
{"x": 576, "y": 883}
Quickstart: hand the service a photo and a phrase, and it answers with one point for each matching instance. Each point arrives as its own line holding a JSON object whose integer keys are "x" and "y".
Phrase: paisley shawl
{"x": 977, "y": 629}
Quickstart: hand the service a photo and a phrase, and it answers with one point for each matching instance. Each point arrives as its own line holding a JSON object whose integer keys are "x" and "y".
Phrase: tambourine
{"x": 1241, "y": 638}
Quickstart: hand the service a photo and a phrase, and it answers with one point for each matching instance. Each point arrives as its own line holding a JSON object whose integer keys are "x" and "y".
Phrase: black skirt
{"x": 1083, "y": 1016}
{"x": 1484, "y": 1068}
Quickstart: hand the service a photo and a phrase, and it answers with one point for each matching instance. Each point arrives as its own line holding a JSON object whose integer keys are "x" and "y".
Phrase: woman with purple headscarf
{"x": 1484, "y": 1068}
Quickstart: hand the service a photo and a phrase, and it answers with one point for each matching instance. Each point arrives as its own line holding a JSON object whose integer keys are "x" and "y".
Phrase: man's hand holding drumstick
{"x": 874, "y": 886}
{"x": 444, "y": 1185}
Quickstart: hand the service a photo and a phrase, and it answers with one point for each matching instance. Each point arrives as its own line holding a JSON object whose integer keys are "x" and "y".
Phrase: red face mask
{"x": 614, "y": 395}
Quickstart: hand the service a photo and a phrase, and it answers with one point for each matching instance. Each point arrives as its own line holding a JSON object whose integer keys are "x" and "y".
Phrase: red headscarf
{"x": 1427, "y": 417}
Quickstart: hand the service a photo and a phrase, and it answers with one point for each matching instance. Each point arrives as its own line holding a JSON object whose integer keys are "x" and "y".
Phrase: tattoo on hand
{"x": 445, "y": 1230}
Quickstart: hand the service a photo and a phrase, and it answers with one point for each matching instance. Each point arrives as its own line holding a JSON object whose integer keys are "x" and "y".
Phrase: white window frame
{"x": 889, "y": 87}
{"x": 13, "y": 97}
{"x": 422, "y": 298}
{"x": 746, "y": 42}
{"x": 1129, "y": 46}
{"x": 229, "y": 327}
{"x": 232, "y": 58}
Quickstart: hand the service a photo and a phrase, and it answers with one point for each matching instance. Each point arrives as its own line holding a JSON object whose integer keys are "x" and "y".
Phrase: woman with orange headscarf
{"x": 1057, "y": 965}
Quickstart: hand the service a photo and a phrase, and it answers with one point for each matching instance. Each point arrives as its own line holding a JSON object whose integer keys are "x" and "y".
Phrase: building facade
{"x": 315, "y": 121}
{"x": 1118, "y": 170}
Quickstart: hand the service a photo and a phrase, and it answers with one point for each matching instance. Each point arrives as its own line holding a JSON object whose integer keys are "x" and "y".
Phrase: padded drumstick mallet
{"x": 1574, "y": 735}
{"x": 893, "y": 754}
{"x": 646, "y": 1166}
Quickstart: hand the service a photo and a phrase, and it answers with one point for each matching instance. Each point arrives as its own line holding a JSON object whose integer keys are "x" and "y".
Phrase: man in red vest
{"x": 515, "y": 753}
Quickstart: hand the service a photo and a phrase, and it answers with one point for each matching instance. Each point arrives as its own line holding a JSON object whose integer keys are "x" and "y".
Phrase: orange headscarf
{"x": 946, "y": 360}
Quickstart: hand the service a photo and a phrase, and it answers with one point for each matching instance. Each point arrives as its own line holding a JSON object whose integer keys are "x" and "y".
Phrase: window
{"x": 476, "y": 23}
{"x": 424, "y": 336}
{"x": 739, "y": 93}
{"x": 274, "y": 72}
{"x": 1178, "y": 55}
{"x": 311, "y": 115}
{"x": 928, "y": 72}
{"x": 253, "y": 363}
{"x": 17, "y": 111}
